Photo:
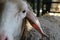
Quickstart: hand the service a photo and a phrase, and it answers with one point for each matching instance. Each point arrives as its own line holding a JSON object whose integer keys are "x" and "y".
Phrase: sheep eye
{"x": 24, "y": 11}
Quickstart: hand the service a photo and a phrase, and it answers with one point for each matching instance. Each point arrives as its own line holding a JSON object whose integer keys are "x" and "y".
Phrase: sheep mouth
{"x": 34, "y": 25}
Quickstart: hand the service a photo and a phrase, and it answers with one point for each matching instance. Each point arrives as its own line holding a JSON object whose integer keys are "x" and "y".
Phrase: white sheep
{"x": 12, "y": 17}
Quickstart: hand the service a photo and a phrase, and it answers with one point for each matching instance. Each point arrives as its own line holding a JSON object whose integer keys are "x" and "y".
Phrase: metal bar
{"x": 54, "y": 12}
{"x": 55, "y": 2}
{"x": 34, "y": 5}
{"x": 38, "y": 8}
{"x": 51, "y": 2}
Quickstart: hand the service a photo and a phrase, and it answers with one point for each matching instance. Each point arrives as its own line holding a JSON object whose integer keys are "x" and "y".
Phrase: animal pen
{"x": 40, "y": 8}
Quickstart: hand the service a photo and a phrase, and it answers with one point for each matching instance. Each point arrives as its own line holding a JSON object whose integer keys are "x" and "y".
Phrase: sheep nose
{"x": 2, "y": 37}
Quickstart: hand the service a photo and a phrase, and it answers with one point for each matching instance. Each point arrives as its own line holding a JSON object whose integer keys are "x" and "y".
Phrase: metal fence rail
{"x": 38, "y": 6}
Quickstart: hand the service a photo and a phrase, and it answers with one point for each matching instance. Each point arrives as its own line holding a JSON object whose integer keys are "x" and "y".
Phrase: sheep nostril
{"x": 6, "y": 38}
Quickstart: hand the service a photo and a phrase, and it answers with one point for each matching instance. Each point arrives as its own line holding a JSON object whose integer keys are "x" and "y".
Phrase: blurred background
{"x": 45, "y": 6}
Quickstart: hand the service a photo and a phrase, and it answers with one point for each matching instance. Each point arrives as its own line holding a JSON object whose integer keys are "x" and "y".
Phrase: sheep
{"x": 13, "y": 14}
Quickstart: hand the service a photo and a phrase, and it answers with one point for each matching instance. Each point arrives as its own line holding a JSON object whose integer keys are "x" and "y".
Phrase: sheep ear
{"x": 35, "y": 22}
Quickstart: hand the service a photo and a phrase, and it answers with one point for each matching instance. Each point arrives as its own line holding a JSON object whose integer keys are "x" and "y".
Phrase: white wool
{"x": 12, "y": 20}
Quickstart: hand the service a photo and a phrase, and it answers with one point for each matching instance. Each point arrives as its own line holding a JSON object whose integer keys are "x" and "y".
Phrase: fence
{"x": 39, "y": 6}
